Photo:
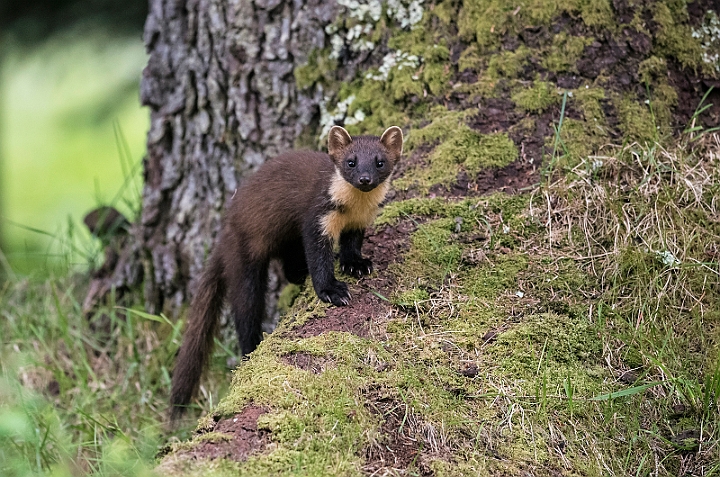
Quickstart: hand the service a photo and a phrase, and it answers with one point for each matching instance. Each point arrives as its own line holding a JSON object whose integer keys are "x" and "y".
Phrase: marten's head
{"x": 365, "y": 161}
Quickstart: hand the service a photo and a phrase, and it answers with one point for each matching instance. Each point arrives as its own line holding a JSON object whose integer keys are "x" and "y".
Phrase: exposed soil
{"x": 243, "y": 438}
{"x": 516, "y": 177}
{"x": 308, "y": 362}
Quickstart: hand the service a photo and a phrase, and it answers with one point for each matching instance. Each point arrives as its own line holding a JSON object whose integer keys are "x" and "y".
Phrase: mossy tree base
{"x": 547, "y": 331}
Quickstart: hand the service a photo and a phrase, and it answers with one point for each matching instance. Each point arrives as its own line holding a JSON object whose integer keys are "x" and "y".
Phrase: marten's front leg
{"x": 351, "y": 260}
{"x": 319, "y": 255}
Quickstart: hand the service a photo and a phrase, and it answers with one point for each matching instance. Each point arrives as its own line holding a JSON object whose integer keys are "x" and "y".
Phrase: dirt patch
{"x": 368, "y": 308}
{"x": 238, "y": 437}
{"x": 690, "y": 90}
{"x": 385, "y": 244}
{"x": 308, "y": 362}
{"x": 407, "y": 444}
{"x": 495, "y": 115}
{"x": 518, "y": 176}
{"x": 364, "y": 310}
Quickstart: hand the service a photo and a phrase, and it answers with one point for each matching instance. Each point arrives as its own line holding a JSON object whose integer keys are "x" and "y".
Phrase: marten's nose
{"x": 364, "y": 180}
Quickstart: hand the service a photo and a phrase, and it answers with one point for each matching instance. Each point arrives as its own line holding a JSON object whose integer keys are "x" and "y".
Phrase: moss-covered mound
{"x": 547, "y": 286}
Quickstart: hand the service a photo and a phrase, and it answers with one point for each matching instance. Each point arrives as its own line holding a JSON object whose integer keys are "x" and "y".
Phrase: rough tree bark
{"x": 222, "y": 97}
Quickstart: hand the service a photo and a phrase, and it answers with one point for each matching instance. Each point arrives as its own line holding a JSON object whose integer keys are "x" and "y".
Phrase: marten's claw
{"x": 337, "y": 294}
{"x": 357, "y": 268}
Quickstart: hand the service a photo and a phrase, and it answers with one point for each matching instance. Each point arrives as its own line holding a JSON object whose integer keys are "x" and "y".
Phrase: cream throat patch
{"x": 357, "y": 209}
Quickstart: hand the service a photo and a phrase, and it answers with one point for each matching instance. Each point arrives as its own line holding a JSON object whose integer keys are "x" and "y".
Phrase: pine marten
{"x": 294, "y": 208}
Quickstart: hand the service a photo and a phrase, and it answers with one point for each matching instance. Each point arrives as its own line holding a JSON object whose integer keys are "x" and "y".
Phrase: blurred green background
{"x": 72, "y": 130}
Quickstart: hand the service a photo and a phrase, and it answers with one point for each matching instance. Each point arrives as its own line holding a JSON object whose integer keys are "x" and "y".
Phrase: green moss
{"x": 458, "y": 146}
{"x": 416, "y": 206}
{"x": 488, "y": 282}
{"x": 508, "y": 64}
{"x": 674, "y": 37}
{"x": 470, "y": 59}
{"x": 597, "y": 13}
{"x": 411, "y": 298}
{"x": 539, "y": 97}
{"x": 437, "y": 78}
{"x": 433, "y": 75}
{"x": 474, "y": 150}
{"x": 404, "y": 82}
{"x": 446, "y": 12}
{"x": 578, "y": 140}
{"x": 303, "y": 404}
{"x": 319, "y": 67}
{"x": 636, "y": 120}
{"x": 663, "y": 97}
{"x": 565, "y": 52}
{"x": 487, "y": 21}
{"x": 287, "y": 297}
{"x": 542, "y": 12}
{"x": 493, "y": 150}
{"x": 484, "y": 22}
{"x": 213, "y": 437}
{"x": 437, "y": 248}
{"x": 443, "y": 124}
{"x": 650, "y": 69}
{"x": 454, "y": 138}
{"x": 510, "y": 207}
{"x": 374, "y": 99}
{"x": 589, "y": 102}
{"x": 192, "y": 467}
{"x": 432, "y": 245}
{"x": 549, "y": 348}
{"x": 483, "y": 88}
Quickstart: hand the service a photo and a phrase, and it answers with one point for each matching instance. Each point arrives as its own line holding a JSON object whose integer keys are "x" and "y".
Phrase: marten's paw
{"x": 336, "y": 293}
{"x": 356, "y": 267}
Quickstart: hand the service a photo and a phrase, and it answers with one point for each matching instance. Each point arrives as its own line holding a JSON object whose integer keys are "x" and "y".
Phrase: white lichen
{"x": 395, "y": 59}
{"x": 339, "y": 115}
{"x": 356, "y": 118}
{"x": 364, "y": 14}
{"x": 668, "y": 259}
{"x": 361, "y": 10}
{"x": 709, "y": 35}
{"x": 404, "y": 13}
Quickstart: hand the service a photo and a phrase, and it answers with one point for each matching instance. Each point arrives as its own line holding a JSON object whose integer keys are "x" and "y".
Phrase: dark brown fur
{"x": 292, "y": 209}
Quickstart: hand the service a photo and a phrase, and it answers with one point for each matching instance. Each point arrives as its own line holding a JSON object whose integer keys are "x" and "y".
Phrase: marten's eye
{"x": 379, "y": 163}
{"x": 351, "y": 162}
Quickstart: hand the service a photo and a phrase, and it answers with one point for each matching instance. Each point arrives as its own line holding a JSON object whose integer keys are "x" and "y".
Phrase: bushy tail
{"x": 199, "y": 336}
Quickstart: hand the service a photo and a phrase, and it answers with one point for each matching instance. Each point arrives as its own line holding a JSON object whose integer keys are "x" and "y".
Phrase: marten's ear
{"x": 392, "y": 139}
{"x": 338, "y": 141}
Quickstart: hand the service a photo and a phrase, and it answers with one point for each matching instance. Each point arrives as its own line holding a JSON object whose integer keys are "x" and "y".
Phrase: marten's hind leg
{"x": 294, "y": 263}
{"x": 247, "y": 287}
